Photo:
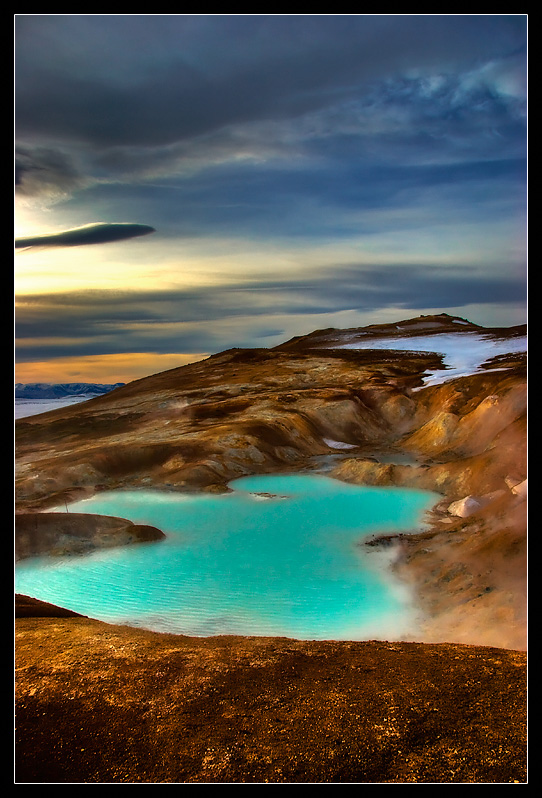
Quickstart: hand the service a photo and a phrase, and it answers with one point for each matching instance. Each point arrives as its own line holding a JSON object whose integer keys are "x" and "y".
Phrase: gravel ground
{"x": 106, "y": 704}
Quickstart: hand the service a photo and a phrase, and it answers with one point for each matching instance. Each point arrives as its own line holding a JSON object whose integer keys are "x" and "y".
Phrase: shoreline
{"x": 379, "y": 561}
{"x": 446, "y": 617}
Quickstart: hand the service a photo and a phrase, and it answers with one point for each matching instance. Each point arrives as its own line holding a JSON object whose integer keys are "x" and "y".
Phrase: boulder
{"x": 465, "y": 507}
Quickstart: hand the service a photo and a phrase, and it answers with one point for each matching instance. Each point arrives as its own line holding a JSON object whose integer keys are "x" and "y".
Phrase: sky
{"x": 241, "y": 179}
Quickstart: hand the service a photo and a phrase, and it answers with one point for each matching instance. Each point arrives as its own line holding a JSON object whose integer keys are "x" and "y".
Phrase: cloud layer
{"x": 102, "y": 97}
{"x": 207, "y": 318}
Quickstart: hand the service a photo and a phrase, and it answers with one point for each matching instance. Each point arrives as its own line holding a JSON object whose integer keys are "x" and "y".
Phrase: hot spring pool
{"x": 279, "y": 555}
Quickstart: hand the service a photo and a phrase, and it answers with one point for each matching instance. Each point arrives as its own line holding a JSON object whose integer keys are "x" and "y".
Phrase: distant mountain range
{"x": 46, "y": 390}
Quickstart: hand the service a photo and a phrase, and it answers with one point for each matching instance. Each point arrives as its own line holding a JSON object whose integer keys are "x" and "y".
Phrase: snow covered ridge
{"x": 463, "y": 352}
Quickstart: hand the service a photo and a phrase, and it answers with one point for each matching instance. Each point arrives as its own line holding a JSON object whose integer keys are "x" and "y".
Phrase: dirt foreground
{"x": 109, "y": 704}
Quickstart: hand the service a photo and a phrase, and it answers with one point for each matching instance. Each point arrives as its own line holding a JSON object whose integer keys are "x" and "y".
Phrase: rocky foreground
{"x": 101, "y": 703}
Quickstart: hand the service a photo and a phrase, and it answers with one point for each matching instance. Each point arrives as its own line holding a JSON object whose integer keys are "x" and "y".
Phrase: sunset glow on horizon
{"x": 108, "y": 369}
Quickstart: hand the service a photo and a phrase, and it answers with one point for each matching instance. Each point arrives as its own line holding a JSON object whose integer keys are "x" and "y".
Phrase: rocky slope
{"x": 199, "y": 426}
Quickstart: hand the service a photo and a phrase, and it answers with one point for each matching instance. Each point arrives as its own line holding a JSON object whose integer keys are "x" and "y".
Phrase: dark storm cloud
{"x": 346, "y": 198}
{"x": 128, "y": 94}
{"x": 109, "y": 79}
{"x": 99, "y": 233}
{"x": 398, "y": 137}
{"x": 196, "y": 320}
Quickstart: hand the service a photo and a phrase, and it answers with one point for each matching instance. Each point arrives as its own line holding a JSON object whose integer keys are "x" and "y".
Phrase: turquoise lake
{"x": 279, "y": 555}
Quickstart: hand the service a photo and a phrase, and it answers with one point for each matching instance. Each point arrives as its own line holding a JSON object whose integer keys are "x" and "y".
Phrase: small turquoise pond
{"x": 279, "y": 555}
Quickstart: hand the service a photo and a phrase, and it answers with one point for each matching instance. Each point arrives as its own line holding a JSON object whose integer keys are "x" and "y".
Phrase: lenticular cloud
{"x": 100, "y": 233}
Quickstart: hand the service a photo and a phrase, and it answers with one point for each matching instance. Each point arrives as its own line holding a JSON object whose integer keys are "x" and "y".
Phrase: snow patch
{"x": 339, "y": 444}
{"x": 463, "y": 353}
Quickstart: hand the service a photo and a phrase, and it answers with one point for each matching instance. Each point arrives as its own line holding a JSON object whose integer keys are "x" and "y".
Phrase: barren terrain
{"x": 100, "y": 703}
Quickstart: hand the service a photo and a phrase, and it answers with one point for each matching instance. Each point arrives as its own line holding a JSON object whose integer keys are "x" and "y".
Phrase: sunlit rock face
{"x": 445, "y": 396}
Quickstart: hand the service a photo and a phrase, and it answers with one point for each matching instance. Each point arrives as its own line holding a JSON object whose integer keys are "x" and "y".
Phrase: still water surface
{"x": 279, "y": 555}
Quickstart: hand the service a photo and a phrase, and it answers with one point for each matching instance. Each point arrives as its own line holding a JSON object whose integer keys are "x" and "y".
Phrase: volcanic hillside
{"x": 397, "y": 416}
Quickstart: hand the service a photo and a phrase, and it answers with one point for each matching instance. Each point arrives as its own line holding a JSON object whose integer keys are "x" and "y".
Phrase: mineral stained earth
{"x": 97, "y": 703}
